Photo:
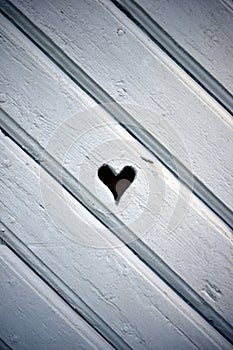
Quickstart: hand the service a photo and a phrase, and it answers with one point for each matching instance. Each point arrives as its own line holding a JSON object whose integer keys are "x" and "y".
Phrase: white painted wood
{"x": 203, "y": 28}
{"x": 121, "y": 59}
{"x": 33, "y": 316}
{"x": 141, "y": 308}
{"x": 40, "y": 98}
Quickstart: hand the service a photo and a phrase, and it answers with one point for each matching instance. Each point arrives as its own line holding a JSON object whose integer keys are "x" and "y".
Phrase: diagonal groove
{"x": 64, "y": 291}
{"x": 4, "y": 346}
{"x": 161, "y": 38}
{"x": 99, "y": 95}
{"x": 90, "y": 202}
{"x": 71, "y": 69}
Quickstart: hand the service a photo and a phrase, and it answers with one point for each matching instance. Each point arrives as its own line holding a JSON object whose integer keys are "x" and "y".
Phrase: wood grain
{"x": 198, "y": 26}
{"x": 32, "y": 316}
{"x": 182, "y": 116}
{"x": 41, "y": 98}
{"x": 141, "y": 308}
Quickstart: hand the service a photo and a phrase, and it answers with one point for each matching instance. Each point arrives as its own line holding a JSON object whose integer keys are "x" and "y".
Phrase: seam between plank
{"x": 188, "y": 63}
{"x": 4, "y": 345}
{"x": 60, "y": 287}
{"x": 100, "y": 96}
{"x": 119, "y": 229}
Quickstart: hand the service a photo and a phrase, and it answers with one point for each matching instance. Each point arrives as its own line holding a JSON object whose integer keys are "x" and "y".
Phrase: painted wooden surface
{"x": 155, "y": 268}
{"x": 113, "y": 282}
{"x": 131, "y": 69}
{"x": 32, "y": 316}
{"x": 203, "y": 28}
{"x": 155, "y": 192}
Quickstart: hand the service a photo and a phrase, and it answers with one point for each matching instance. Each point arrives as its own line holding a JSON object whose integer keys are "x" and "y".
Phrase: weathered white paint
{"x": 32, "y": 316}
{"x": 120, "y": 58}
{"x": 41, "y": 98}
{"x": 203, "y": 28}
{"x": 141, "y": 308}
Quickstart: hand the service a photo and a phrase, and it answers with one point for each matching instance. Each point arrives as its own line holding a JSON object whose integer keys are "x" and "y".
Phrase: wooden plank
{"x": 34, "y": 79}
{"x": 182, "y": 57}
{"x": 179, "y": 126}
{"x": 141, "y": 308}
{"x": 198, "y": 27}
{"x": 33, "y": 316}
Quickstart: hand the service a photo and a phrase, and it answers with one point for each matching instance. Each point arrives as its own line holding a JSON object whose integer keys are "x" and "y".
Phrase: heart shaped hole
{"x": 117, "y": 184}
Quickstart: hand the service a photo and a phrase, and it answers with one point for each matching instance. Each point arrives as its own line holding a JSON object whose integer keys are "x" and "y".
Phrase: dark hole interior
{"x": 117, "y": 184}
